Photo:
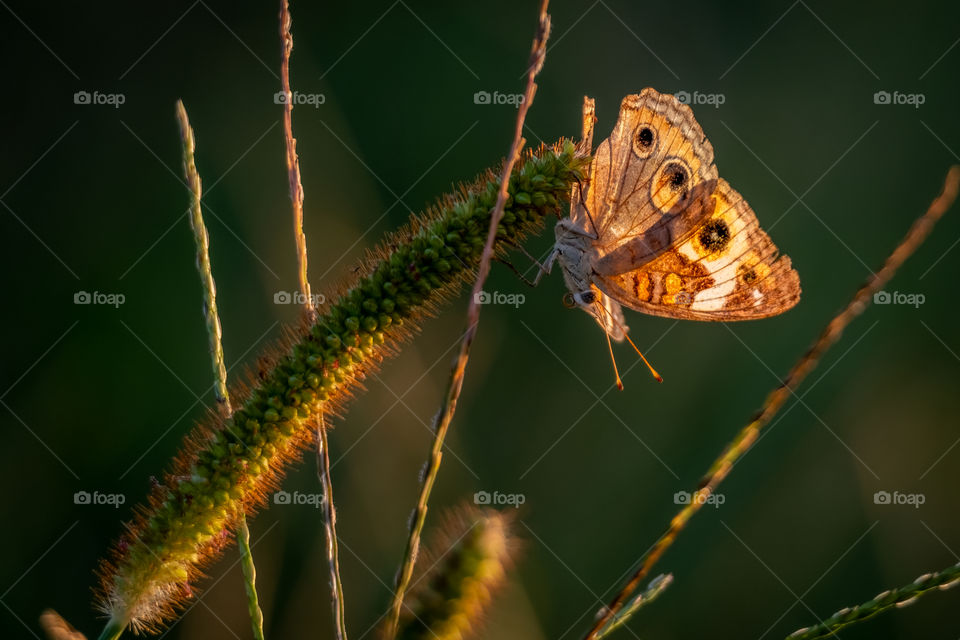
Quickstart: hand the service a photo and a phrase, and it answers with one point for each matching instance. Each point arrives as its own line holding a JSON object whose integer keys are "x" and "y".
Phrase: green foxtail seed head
{"x": 227, "y": 467}
{"x": 465, "y": 564}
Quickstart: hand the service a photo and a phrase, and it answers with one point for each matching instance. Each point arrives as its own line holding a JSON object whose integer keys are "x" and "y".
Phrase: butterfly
{"x": 655, "y": 229}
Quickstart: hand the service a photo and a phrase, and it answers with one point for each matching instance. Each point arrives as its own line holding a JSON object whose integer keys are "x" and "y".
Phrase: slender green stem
{"x": 899, "y": 597}
{"x": 214, "y": 334}
{"x": 112, "y": 631}
{"x": 775, "y": 401}
{"x": 656, "y": 587}
{"x": 250, "y": 580}
{"x": 455, "y": 384}
{"x": 210, "y": 314}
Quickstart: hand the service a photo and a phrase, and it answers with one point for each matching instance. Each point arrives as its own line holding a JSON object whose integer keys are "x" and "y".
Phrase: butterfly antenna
{"x": 622, "y": 328}
{"x": 614, "y": 361}
{"x": 653, "y": 371}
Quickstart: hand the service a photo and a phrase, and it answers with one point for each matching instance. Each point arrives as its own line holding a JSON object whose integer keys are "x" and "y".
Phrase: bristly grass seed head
{"x": 228, "y": 466}
{"x": 464, "y": 565}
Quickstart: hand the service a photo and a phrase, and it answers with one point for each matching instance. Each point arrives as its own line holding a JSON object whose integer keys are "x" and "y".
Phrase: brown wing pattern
{"x": 647, "y": 177}
{"x": 726, "y": 268}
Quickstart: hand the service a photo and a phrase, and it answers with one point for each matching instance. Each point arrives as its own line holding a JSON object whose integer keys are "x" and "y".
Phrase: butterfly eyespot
{"x": 748, "y": 275}
{"x": 644, "y": 141}
{"x": 676, "y": 175}
{"x": 715, "y": 236}
{"x": 670, "y": 188}
{"x": 568, "y": 301}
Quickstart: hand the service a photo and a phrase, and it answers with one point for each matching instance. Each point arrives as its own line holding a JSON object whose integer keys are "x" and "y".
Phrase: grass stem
{"x": 774, "y": 402}
{"x": 445, "y": 415}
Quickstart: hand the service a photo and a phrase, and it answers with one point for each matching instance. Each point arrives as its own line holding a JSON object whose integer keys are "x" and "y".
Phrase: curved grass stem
{"x": 774, "y": 402}
{"x": 445, "y": 415}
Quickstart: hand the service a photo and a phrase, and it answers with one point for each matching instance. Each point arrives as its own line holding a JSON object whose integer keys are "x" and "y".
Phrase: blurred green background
{"x": 97, "y": 398}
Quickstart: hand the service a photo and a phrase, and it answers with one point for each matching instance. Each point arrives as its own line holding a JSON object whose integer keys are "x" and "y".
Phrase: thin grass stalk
{"x": 293, "y": 162}
{"x": 892, "y": 598}
{"x": 775, "y": 400}
{"x": 441, "y": 423}
{"x": 210, "y": 314}
{"x": 656, "y": 587}
{"x": 330, "y": 526}
{"x": 296, "y": 198}
{"x": 249, "y": 570}
{"x": 215, "y": 334}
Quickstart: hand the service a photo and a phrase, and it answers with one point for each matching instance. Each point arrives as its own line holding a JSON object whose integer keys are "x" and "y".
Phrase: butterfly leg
{"x": 546, "y": 267}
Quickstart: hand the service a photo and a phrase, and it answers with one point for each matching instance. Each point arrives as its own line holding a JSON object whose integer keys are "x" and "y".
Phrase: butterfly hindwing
{"x": 726, "y": 268}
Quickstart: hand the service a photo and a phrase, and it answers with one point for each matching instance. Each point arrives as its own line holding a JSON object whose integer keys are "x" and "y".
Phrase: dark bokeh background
{"x": 96, "y": 398}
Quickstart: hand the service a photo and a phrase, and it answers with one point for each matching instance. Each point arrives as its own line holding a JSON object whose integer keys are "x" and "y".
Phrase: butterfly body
{"x": 655, "y": 229}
